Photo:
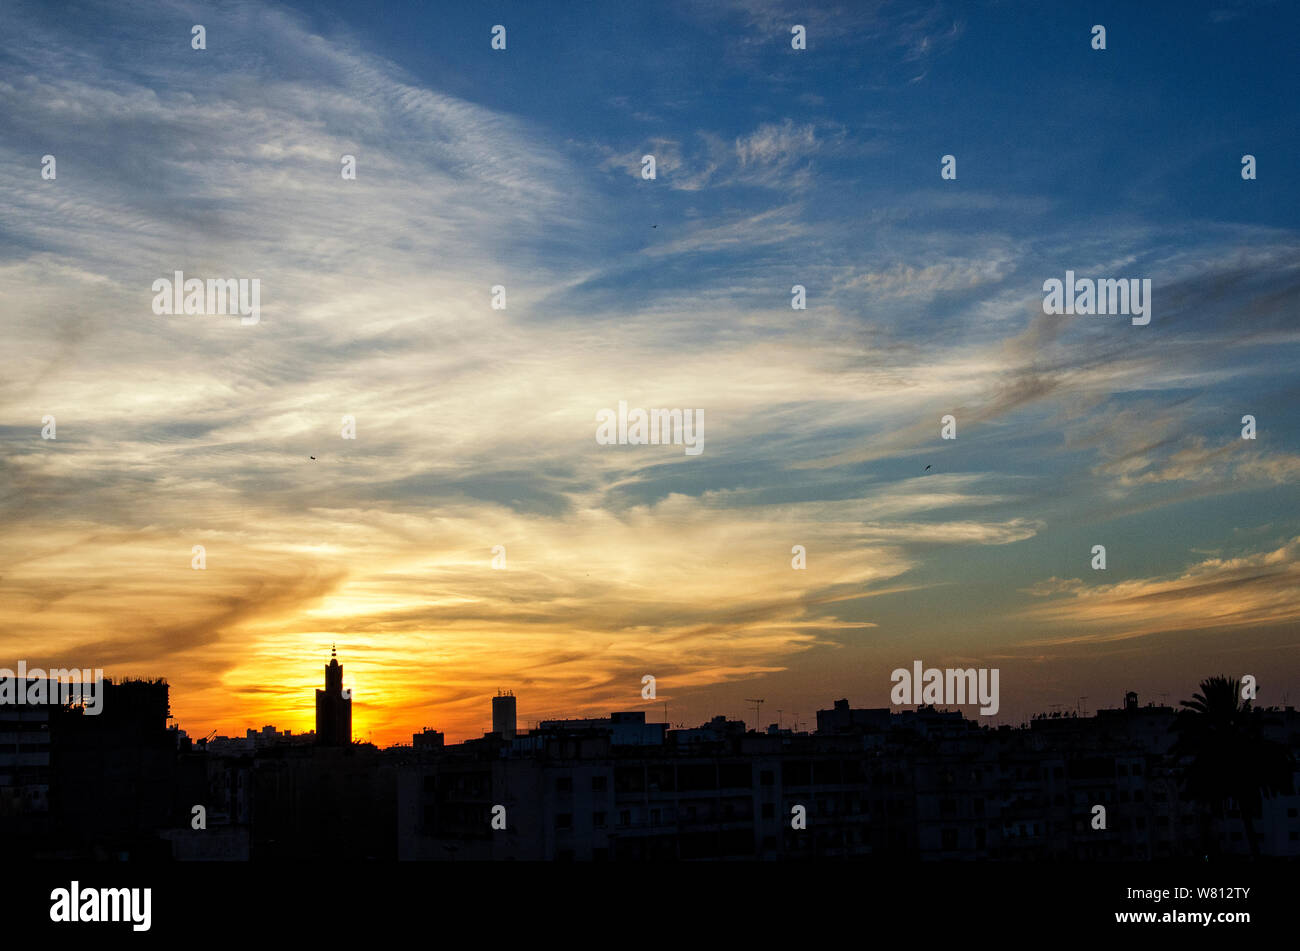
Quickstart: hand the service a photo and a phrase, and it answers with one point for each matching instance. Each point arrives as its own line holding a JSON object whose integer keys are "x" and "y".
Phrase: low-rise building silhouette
{"x": 888, "y": 784}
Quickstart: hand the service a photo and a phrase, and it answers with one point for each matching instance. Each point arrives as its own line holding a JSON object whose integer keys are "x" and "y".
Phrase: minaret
{"x": 333, "y": 709}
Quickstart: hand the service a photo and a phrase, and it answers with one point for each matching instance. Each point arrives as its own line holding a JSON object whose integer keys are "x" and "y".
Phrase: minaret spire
{"x": 333, "y": 706}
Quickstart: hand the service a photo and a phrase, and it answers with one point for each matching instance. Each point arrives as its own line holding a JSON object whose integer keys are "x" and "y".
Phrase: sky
{"x": 476, "y": 427}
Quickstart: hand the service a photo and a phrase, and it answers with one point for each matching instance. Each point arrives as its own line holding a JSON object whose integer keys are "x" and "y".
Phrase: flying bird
{"x": 927, "y": 468}
{"x": 315, "y": 457}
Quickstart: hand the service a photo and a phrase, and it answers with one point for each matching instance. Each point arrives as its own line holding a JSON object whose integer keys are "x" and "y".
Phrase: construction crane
{"x": 758, "y": 704}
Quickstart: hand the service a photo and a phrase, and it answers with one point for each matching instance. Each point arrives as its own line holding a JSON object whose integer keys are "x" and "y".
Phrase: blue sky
{"x": 522, "y": 168}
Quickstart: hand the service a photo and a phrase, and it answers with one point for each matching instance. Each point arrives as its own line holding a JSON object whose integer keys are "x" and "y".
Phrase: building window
{"x": 598, "y": 783}
{"x": 598, "y": 820}
{"x": 625, "y": 817}
{"x": 564, "y": 784}
{"x": 767, "y": 777}
{"x": 563, "y": 820}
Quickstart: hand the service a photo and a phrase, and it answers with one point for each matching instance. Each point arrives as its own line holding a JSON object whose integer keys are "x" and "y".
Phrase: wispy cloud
{"x": 1249, "y": 590}
{"x": 475, "y": 426}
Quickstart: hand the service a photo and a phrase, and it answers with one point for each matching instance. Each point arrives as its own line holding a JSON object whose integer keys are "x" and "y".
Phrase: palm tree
{"x": 1230, "y": 759}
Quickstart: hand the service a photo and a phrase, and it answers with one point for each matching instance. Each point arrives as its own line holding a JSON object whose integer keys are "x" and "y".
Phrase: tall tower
{"x": 503, "y": 714}
{"x": 333, "y": 709}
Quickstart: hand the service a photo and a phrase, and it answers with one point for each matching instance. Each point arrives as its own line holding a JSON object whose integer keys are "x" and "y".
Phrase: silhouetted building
{"x": 323, "y": 803}
{"x": 427, "y": 739}
{"x": 24, "y": 771}
{"x": 333, "y": 709}
{"x": 843, "y": 719}
{"x": 882, "y": 785}
{"x": 264, "y": 738}
{"x": 716, "y": 730}
{"x": 120, "y": 779}
{"x": 503, "y": 715}
{"x": 624, "y": 729}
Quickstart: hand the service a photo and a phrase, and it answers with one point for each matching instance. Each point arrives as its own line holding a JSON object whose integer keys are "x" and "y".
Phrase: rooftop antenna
{"x": 1080, "y": 708}
{"x": 779, "y": 711}
{"x": 758, "y": 704}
